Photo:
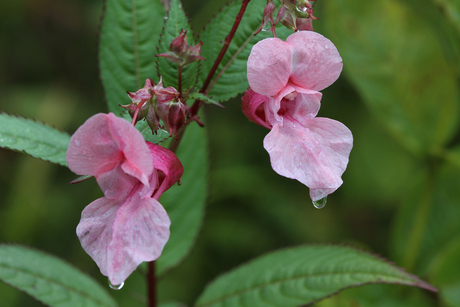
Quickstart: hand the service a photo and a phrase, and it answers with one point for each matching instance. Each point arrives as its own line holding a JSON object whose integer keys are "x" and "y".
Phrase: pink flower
{"x": 128, "y": 225}
{"x": 285, "y": 79}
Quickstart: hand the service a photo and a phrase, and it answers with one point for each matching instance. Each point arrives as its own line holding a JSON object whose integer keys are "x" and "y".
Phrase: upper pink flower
{"x": 284, "y": 80}
{"x": 127, "y": 226}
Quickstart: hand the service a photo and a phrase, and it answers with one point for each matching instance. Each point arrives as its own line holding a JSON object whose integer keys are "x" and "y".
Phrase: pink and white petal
{"x": 252, "y": 105}
{"x": 269, "y": 66}
{"x": 103, "y": 141}
{"x": 92, "y": 148}
{"x": 120, "y": 236}
{"x": 138, "y": 162}
{"x": 304, "y": 105}
{"x": 316, "y": 62}
{"x": 166, "y": 162}
{"x": 115, "y": 183}
{"x": 316, "y": 155}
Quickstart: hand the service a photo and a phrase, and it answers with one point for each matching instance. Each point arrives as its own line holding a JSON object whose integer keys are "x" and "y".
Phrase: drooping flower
{"x": 128, "y": 225}
{"x": 285, "y": 79}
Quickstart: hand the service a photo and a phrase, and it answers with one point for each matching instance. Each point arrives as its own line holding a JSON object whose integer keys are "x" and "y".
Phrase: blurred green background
{"x": 401, "y": 193}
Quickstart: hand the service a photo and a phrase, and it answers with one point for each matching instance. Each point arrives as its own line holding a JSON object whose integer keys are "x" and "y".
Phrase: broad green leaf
{"x": 301, "y": 275}
{"x": 49, "y": 279}
{"x": 128, "y": 44}
{"x": 396, "y": 63}
{"x": 173, "y": 305}
{"x": 204, "y": 98}
{"x": 231, "y": 77}
{"x": 146, "y": 132}
{"x": 185, "y": 203}
{"x": 34, "y": 138}
{"x": 446, "y": 273}
{"x": 379, "y": 296}
{"x": 451, "y": 9}
{"x": 429, "y": 219}
{"x": 177, "y": 21}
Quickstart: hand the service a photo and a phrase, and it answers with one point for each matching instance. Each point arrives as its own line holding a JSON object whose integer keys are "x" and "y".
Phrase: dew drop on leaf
{"x": 116, "y": 287}
{"x": 320, "y": 203}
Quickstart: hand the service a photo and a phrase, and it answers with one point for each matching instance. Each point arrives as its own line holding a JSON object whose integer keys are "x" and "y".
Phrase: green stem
{"x": 414, "y": 240}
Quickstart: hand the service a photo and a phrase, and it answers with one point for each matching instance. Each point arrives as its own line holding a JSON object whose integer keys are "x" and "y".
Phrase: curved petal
{"x": 115, "y": 184}
{"x": 103, "y": 141}
{"x": 316, "y": 155}
{"x": 269, "y": 66}
{"x": 121, "y": 235}
{"x": 166, "y": 162}
{"x": 303, "y": 106}
{"x": 252, "y": 105}
{"x": 316, "y": 63}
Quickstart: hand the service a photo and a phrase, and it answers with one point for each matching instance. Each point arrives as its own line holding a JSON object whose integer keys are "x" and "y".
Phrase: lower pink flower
{"x": 128, "y": 225}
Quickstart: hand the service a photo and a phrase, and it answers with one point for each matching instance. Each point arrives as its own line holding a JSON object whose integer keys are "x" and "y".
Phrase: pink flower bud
{"x": 164, "y": 94}
{"x": 173, "y": 115}
{"x": 180, "y": 53}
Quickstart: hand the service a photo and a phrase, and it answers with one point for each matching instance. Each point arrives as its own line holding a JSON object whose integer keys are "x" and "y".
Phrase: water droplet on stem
{"x": 116, "y": 287}
{"x": 320, "y": 203}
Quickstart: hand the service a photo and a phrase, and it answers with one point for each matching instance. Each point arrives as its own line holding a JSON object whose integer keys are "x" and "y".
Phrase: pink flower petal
{"x": 166, "y": 162}
{"x": 253, "y": 107}
{"x": 103, "y": 141}
{"x": 115, "y": 184}
{"x": 315, "y": 155}
{"x": 300, "y": 103}
{"x": 316, "y": 63}
{"x": 269, "y": 66}
{"x": 119, "y": 235}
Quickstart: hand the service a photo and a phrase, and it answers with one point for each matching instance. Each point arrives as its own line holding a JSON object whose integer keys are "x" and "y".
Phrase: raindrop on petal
{"x": 116, "y": 287}
{"x": 320, "y": 203}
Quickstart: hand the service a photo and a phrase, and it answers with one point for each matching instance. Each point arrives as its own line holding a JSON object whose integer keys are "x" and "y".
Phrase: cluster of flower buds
{"x": 154, "y": 102}
{"x": 181, "y": 53}
{"x": 296, "y": 15}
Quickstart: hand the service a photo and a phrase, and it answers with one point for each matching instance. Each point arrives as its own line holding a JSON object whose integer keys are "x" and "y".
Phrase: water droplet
{"x": 301, "y": 8}
{"x": 326, "y": 46}
{"x": 116, "y": 287}
{"x": 267, "y": 27}
{"x": 77, "y": 142}
{"x": 320, "y": 203}
{"x": 166, "y": 17}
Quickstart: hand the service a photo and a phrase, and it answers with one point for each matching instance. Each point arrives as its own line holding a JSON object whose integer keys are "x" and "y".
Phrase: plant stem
{"x": 179, "y": 80}
{"x": 197, "y": 104}
{"x": 418, "y": 229}
{"x": 151, "y": 284}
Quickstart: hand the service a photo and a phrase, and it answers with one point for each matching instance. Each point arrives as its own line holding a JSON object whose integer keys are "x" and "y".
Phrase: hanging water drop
{"x": 116, "y": 287}
{"x": 267, "y": 27}
{"x": 320, "y": 203}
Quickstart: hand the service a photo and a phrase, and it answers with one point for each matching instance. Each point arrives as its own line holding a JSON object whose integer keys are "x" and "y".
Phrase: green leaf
{"x": 141, "y": 125}
{"x": 429, "y": 219}
{"x": 231, "y": 77}
{"x": 177, "y": 21}
{"x": 204, "y": 98}
{"x": 36, "y": 139}
{"x": 185, "y": 203}
{"x": 49, "y": 279}
{"x": 302, "y": 275}
{"x": 395, "y": 61}
{"x": 451, "y": 9}
{"x": 128, "y": 41}
{"x": 446, "y": 273}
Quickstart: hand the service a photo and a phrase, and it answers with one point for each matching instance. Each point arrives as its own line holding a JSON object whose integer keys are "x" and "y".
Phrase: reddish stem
{"x": 197, "y": 104}
{"x": 151, "y": 284}
{"x": 179, "y": 81}
{"x": 139, "y": 106}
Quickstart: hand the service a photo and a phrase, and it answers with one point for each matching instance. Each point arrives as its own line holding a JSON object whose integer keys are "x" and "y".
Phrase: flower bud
{"x": 172, "y": 114}
{"x": 140, "y": 100}
{"x": 180, "y": 53}
{"x": 164, "y": 94}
